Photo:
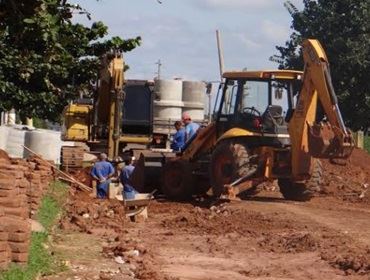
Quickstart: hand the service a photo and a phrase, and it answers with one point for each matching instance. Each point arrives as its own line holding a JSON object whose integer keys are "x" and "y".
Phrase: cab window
{"x": 255, "y": 94}
{"x": 231, "y": 91}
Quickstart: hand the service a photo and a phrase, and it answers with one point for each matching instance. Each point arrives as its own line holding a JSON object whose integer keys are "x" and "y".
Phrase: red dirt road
{"x": 265, "y": 237}
{"x": 257, "y": 239}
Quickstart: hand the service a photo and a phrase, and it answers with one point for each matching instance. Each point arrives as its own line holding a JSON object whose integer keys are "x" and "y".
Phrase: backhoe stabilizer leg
{"x": 242, "y": 184}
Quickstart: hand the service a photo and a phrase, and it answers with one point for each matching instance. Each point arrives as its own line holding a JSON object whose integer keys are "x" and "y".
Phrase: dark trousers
{"x": 102, "y": 189}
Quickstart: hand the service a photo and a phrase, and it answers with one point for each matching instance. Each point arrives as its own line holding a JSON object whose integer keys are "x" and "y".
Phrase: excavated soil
{"x": 348, "y": 180}
{"x": 83, "y": 176}
{"x": 264, "y": 237}
{"x": 86, "y": 214}
{"x": 4, "y": 156}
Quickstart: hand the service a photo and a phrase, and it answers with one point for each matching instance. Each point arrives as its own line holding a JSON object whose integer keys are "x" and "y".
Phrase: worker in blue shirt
{"x": 102, "y": 171}
{"x": 129, "y": 191}
{"x": 178, "y": 138}
{"x": 190, "y": 127}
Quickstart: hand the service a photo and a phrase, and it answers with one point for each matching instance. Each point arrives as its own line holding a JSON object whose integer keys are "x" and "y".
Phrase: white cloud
{"x": 249, "y": 43}
{"x": 247, "y": 4}
{"x": 182, "y": 33}
{"x": 274, "y": 32}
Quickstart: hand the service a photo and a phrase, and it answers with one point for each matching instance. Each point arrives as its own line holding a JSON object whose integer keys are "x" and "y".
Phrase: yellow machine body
{"x": 248, "y": 143}
{"x": 76, "y": 122}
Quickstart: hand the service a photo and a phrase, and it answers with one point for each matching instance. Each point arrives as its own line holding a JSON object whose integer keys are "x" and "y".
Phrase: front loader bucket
{"x": 324, "y": 143}
{"x": 148, "y": 168}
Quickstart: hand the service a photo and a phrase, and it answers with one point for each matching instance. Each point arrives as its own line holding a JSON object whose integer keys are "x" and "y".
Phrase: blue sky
{"x": 182, "y": 34}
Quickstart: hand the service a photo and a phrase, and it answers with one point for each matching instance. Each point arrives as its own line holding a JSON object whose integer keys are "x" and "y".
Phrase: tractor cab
{"x": 257, "y": 103}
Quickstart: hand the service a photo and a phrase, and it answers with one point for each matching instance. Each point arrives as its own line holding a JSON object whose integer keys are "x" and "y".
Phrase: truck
{"x": 119, "y": 113}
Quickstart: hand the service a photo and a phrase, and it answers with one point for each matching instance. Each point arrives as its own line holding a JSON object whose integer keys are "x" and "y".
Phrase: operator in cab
{"x": 190, "y": 127}
{"x": 178, "y": 138}
{"x": 102, "y": 171}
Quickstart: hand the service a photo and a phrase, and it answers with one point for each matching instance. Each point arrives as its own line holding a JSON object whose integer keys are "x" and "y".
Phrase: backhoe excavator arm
{"x": 110, "y": 98}
{"x": 309, "y": 139}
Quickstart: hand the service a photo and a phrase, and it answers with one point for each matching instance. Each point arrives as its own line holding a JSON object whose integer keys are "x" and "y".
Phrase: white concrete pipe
{"x": 46, "y": 143}
{"x": 193, "y": 96}
{"x": 4, "y": 133}
{"x": 168, "y": 100}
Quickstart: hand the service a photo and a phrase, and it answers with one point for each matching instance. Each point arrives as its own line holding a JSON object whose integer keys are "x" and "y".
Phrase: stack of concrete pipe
{"x": 46, "y": 143}
{"x": 174, "y": 97}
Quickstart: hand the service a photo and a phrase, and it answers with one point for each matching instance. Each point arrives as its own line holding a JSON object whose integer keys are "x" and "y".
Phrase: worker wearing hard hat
{"x": 102, "y": 171}
{"x": 190, "y": 127}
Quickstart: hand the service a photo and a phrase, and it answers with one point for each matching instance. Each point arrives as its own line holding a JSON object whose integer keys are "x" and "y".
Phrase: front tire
{"x": 302, "y": 191}
{"x": 177, "y": 180}
{"x": 229, "y": 162}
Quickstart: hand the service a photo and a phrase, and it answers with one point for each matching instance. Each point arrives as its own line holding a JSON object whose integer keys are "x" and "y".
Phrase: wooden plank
{"x": 81, "y": 185}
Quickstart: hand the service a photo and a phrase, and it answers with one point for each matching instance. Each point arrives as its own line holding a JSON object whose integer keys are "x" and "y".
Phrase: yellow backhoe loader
{"x": 270, "y": 125}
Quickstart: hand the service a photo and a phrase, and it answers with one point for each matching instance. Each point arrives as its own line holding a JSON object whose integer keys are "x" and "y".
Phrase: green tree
{"x": 343, "y": 28}
{"x": 45, "y": 58}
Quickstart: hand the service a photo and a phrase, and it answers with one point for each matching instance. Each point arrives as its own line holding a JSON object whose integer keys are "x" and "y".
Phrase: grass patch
{"x": 367, "y": 143}
{"x": 52, "y": 204}
{"x": 40, "y": 262}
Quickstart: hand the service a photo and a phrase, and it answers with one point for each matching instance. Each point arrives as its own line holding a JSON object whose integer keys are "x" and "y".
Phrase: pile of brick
{"x": 39, "y": 176}
{"x": 19, "y": 237}
{"x": 35, "y": 192}
{"x": 13, "y": 188}
{"x": 4, "y": 248}
{"x": 22, "y": 186}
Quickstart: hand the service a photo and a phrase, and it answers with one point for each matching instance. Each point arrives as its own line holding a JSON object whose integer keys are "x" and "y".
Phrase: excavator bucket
{"x": 323, "y": 142}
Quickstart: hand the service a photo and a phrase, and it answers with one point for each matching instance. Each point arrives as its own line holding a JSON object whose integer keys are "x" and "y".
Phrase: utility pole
{"x": 159, "y": 69}
{"x": 220, "y": 53}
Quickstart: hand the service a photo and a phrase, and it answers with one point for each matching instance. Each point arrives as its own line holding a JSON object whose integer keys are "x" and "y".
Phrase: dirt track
{"x": 262, "y": 238}
{"x": 259, "y": 239}
{"x": 265, "y": 237}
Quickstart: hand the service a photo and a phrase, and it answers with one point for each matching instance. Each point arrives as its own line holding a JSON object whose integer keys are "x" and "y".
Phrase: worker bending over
{"x": 190, "y": 127}
{"x": 102, "y": 171}
{"x": 178, "y": 138}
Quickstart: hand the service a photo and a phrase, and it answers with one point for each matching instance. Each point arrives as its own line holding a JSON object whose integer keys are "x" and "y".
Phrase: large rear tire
{"x": 229, "y": 162}
{"x": 302, "y": 191}
{"x": 177, "y": 180}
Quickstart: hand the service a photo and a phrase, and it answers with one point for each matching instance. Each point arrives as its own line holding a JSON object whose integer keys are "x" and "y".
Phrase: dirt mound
{"x": 349, "y": 179}
{"x": 133, "y": 252}
{"x": 350, "y": 262}
{"x": 83, "y": 176}
{"x": 220, "y": 219}
{"x": 4, "y": 156}
{"x": 343, "y": 253}
{"x": 293, "y": 242}
{"x": 93, "y": 216}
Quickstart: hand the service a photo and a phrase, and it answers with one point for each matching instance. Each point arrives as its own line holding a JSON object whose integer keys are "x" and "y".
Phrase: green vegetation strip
{"x": 367, "y": 143}
{"x": 40, "y": 261}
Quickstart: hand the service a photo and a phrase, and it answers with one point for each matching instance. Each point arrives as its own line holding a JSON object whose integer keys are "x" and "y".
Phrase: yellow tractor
{"x": 268, "y": 127}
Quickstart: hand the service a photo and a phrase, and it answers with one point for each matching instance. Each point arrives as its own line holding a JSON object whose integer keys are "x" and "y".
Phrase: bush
{"x": 367, "y": 143}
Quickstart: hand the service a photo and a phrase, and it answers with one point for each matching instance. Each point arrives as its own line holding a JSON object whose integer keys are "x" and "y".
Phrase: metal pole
{"x": 209, "y": 107}
{"x": 159, "y": 69}
{"x": 220, "y": 53}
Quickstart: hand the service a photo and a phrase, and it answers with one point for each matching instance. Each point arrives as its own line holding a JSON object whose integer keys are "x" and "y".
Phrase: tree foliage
{"x": 343, "y": 28}
{"x": 45, "y": 58}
